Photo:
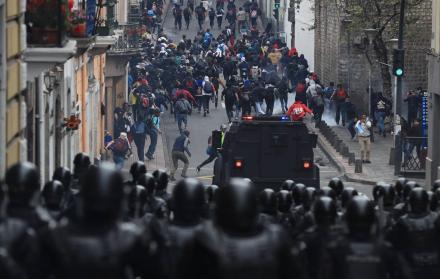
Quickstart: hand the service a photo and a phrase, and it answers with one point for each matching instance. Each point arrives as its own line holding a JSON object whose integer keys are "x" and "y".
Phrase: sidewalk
{"x": 378, "y": 170}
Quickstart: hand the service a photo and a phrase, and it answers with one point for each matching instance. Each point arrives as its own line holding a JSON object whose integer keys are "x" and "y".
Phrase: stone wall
{"x": 341, "y": 57}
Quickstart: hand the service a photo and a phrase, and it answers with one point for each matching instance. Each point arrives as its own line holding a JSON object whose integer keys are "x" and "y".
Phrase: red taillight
{"x": 238, "y": 164}
{"x": 248, "y": 118}
{"x": 307, "y": 165}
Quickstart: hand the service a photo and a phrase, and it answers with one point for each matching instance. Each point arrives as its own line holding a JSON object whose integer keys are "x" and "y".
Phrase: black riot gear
{"x": 188, "y": 201}
{"x": 23, "y": 182}
{"x": 325, "y": 211}
{"x": 346, "y": 196}
{"x": 137, "y": 168}
{"x": 287, "y": 185}
{"x": 361, "y": 255}
{"x": 436, "y": 185}
{"x": 237, "y": 208}
{"x": 98, "y": 245}
{"x": 81, "y": 164}
{"x": 326, "y": 192}
{"x": 309, "y": 195}
{"x": 398, "y": 185}
{"x": 337, "y": 185}
{"x": 387, "y": 192}
{"x": 162, "y": 180}
{"x": 268, "y": 205}
{"x": 284, "y": 201}
{"x": 101, "y": 195}
{"x": 64, "y": 176}
{"x": 268, "y": 201}
{"x": 297, "y": 193}
{"x": 418, "y": 201}
{"x": 52, "y": 197}
{"x": 260, "y": 251}
{"x": 153, "y": 204}
{"x": 137, "y": 199}
{"x": 416, "y": 235}
{"x": 360, "y": 216}
{"x": 211, "y": 192}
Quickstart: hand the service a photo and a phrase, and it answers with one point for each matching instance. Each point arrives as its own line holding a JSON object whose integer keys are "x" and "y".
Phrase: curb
{"x": 328, "y": 150}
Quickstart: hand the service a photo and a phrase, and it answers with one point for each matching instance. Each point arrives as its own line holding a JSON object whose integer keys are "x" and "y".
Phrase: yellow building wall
{"x": 13, "y": 53}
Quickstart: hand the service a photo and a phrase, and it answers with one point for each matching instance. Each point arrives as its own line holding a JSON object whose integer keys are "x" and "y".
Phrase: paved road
{"x": 201, "y": 127}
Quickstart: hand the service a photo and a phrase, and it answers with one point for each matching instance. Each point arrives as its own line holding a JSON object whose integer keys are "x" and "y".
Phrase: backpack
{"x": 181, "y": 107}
{"x": 317, "y": 100}
{"x": 178, "y": 12}
{"x": 120, "y": 146}
{"x": 207, "y": 87}
{"x": 254, "y": 13}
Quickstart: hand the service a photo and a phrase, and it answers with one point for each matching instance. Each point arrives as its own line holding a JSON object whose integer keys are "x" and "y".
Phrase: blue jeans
{"x": 119, "y": 161}
{"x": 340, "y": 112}
{"x": 181, "y": 118}
{"x": 380, "y": 118}
{"x": 153, "y": 138}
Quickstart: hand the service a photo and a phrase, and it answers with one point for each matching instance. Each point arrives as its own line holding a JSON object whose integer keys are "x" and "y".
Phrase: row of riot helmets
{"x": 93, "y": 224}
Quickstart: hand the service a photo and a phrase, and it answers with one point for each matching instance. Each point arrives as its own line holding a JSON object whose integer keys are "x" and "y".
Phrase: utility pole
{"x": 291, "y": 18}
{"x": 398, "y": 96}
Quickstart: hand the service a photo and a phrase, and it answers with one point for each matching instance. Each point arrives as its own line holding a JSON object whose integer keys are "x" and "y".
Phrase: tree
{"x": 382, "y": 15}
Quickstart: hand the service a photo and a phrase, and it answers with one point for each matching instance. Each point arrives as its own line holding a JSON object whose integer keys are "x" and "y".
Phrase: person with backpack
{"x": 298, "y": 111}
{"x": 339, "y": 98}
{"x": 180, "y": 146}
{"x": 177, "y": 12}
{"x": 121, "y": 150}
{"x": 153, "y": 130}
{"x": 318, "y": 105}
{"x": 201, "y": 15}
{"x": 187, "y": 15}
{"x": 241, "y": 19}
{"x": 182, "y": 108}
{"x": 207, "y": 91}
{"x": 139, "y": 131}
{"x": 219, "y": 15}
{"x": 380, "y": 112}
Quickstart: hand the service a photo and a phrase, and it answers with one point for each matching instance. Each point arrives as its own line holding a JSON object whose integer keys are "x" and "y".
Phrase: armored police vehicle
{"x": 267, "y": 150}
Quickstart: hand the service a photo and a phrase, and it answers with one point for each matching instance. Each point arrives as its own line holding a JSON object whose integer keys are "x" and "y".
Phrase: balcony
{"x": 45, "y": 21}
{"x": 128, "y": 42}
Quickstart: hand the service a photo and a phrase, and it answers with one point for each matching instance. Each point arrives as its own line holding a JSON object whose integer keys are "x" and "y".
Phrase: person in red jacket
{"x": 298, "y": 111}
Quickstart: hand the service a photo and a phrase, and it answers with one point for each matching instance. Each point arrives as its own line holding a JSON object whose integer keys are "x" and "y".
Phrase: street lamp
{"x": 50, "y": 79}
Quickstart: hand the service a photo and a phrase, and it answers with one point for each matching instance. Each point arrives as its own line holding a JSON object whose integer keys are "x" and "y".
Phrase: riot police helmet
{"x": 101, "y": 194}
{"x": 308, "y": 198}
{"x": 268, "y": 201}
{"x": 211, "y": 192}
{"x": 287, "y": 185}
{"x": 162, "y": 179}
{"x": 237, "y": 207}
{"x": 81, "y": 163}
{"x": 337, "y": 185}
{"x": 408, "y": 187}
{"x": 418, "y": 200}
{"x": 147, "y": 180}
{"x": 399, "y": 185}
{"x": 325, "y": 211}
{"x": 188, "y": 201}
{"x": 436, "y": 185}
{"x": 326, "y": 192}
{"x": 23, "y": 182}
{"x": 284, "y": 201}
{"x": 52, "y": 194}
{"x": 63, "y": 175}
{"x": 137, "y": 168}
{"x": 346, "y": 196}
{"x": 360, "y": 216}
{"x": 385, "y": 191}
{"x": 297, "y": 193}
